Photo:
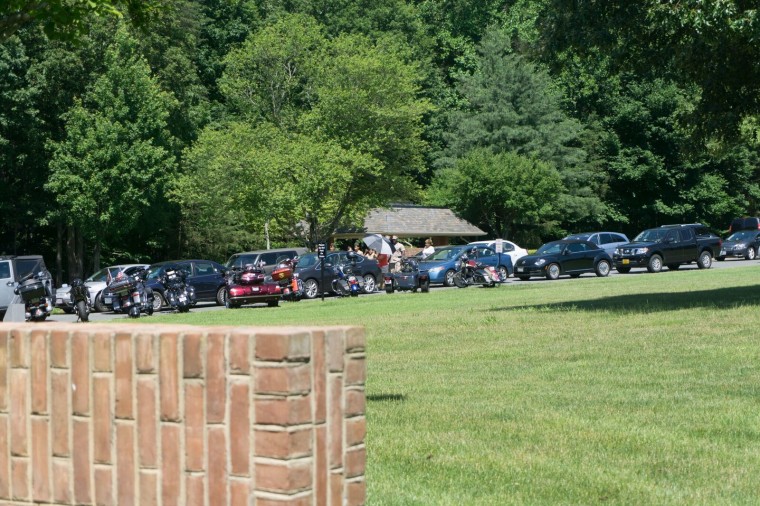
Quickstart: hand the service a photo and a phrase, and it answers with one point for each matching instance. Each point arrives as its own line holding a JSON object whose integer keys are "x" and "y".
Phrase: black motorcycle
{"x": 34, "y": 292}
{"x": 80, "y": 298}
{"x": 179, "y": 295}
{"x": 131, "y": 295}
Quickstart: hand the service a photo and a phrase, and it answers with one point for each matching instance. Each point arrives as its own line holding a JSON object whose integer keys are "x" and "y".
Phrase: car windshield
{"x": 308, "y": 260}
{"x": 154, "y": 272}
{"x": 550, "y": 248}
{"x": 579, "y": 237}
{"x": 652, "y": 235}
{"x": 26, "y": 266}
{"x": 445, "y": 254}
{"x": 744, "y": 235}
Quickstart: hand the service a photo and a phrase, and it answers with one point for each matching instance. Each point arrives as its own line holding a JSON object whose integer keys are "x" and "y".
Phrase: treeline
{"x": 199, "y": 128}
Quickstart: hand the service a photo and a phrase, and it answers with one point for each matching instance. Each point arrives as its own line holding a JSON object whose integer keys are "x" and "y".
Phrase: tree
{"x": 110, "y": 170}
{"x": 507, "y": 194}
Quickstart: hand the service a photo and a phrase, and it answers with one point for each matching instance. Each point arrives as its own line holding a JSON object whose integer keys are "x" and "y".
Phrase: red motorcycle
{"x": 250, "y": 286}
{"x": 286, "y": 276}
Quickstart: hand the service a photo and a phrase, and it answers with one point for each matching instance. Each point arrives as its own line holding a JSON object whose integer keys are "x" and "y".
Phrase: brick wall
{"x": 129, "y": 414}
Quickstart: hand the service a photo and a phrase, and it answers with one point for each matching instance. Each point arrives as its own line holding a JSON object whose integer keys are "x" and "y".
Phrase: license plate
{"x": 626, "y": 261}
{"x": 521, "y": 269}
{"x": 106, "y": 300}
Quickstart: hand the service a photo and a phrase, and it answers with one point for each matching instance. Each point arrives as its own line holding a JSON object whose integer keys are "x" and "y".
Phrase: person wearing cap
{"x": 399, "y": 252}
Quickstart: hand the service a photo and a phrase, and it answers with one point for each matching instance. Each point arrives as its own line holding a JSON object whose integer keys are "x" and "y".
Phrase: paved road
{"x": 727, "y": 264}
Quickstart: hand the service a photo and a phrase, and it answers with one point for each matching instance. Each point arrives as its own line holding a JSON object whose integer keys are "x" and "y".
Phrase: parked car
{"x": 442, "y": 265}
{"x": 514, "y": 251}
{"x": 206, "y": 276}
{"x": 268, "y": 257}
{"x": 13, "y": 269}
{"x": 95, "y": 285}
{"x": 309, "y": 270}
{"x": 671, "y": 245}
{"x": 568, "y": 256}
{"x": 742, "y": 244}
{"x": 608, "y": 241}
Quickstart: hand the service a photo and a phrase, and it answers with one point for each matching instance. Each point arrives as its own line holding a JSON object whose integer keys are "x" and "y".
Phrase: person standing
{"x": 428, "y": 249}
{"x": 399, "y": 252}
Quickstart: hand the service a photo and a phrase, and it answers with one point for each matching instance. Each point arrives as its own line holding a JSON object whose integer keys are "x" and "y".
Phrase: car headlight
{"x": 640, "y": 251}
{"x": 540, "y": 262}
{"x": 435, "y": 270}
{"x": 617, "y": 251}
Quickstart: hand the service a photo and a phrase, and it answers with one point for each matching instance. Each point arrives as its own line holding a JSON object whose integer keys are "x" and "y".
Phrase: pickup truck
{"x": 668, "y": 245}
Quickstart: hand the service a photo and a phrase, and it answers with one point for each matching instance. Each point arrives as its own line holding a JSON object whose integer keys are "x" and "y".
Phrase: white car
{"x": 95, "y": 285}
{"x": 507, "y": 247}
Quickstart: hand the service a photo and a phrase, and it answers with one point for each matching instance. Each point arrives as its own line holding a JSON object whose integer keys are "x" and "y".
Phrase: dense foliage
{"x": 147, "y": 130}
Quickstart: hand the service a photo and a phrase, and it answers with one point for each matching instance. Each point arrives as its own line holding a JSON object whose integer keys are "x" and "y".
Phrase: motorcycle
{"x": 346, "y": 282}
{"x": 248, "y": 286}
{"x": 34, "y": 292}
{"x": 179, "y": 295}
{"x": 470, "y": 272}
{"x": 130, "y": 294}
{"x": 80, "y": 298}
{"x": 409, "y": 277}
{"x": 286, "y": 276}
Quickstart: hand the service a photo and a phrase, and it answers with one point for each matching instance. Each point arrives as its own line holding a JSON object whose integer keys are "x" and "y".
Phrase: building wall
{"x": 130, "y": 414}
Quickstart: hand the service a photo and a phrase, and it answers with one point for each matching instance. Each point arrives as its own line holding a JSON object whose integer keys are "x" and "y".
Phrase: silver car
{"x": 608, "y": 241}
{"x": 95, "y": 285}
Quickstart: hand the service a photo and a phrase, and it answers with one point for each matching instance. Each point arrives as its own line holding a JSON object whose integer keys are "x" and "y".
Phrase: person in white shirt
{"x": 428, "y": 249}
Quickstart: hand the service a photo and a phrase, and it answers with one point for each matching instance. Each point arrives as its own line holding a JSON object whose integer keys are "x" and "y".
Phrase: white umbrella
{"x": 378, "y": 243}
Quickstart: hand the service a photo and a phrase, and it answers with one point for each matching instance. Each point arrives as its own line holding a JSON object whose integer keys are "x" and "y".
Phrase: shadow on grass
{"x": 720, "y": 298}
{"x": 386, "y": 398}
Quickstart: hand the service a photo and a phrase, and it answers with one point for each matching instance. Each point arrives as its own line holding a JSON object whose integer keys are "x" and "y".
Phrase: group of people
{"x": 392, "y": 263}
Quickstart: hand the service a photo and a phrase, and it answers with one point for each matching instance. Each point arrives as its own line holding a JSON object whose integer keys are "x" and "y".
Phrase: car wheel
{"x": 221, "y": 296}
{"x": 552, "y": 272}
{"x": 705, "y": 260}
{"x": 602, "y": 268}
{"x": 503, "y": 273}
{"x": 674, "y": 267}
{"x": 100, "y": 307}
{"x": 158, "y": 302}
{"x": 310, "y": 288}
{"x": 655, "y": 263}
{"x": 623, "y": 270}
{"x": 751, "y": 253}
{"x": 523, "y": 278}
{"x": 369, "y": 283}
{"x": 448, "y": 279}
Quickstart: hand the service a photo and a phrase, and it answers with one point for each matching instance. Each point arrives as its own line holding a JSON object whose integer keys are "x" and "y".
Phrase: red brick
{"x": 148, "y": 488}
{"x": 302, "y": 499}
{"x": 356, "y": 430}
{"x": 60, "y": 412}
{"x": 5, "y": 463}
{"x": 39, "y": 372}
{"x": 321, "y": 469}
{"x": 171, "y": 466}
{"x": 4, "y": 371}
{"x": 239, "y": 492}
{"x": 285, "y": 477}
{"x": 125, "y": 464}
{"x": 124, "y": 375}
{"x": 281, "y": 347}
{"x": 335, "y": 350}
{"x": 217, "y": 466}
{"x": 356, "y": 370}
{"x": 20, "y": 477}
{"x": 169, "y": 376}
{"x": 102, "y": 419}
{"x": 147, "y": 421}
{"x": 19, "y": 346}
{"x": 216, "y": 385}
{"x": 355, "y": 340}
{"x": 62, "y": 475}
{"x": 292, "y": 410}
{"x": 80, "y": 374}
{"x": 59, "y": 343}
{"x": 283, "y": 444}
{"x": 194, "y": 490}
{"x": 356, "y": 492}
{"x": 145, "y": 355}
{"x": 356, "y": 461}
{"x": 335, "y": 422}
{"x": 240, "y": 361}
{"x": 19, "y": 438}
{"x": 81, "y": 461}
{"x": 101, "y": 352}
{"x": 192, "y": 360}
{"x": 194, "y": 427}
{"x": 104, "y": 486}
{"x": 356, "y": 402}
{"x": 319, "y": 370}
{"x": 41, "y": 460}
{"x": 283, "y": 380}
{"x": 240, "y": 429}
{"x": 336, "y": 488}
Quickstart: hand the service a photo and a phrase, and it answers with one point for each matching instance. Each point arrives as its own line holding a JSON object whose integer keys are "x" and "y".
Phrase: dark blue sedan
{"x": 571, "y": 257}
{"x": 442, "y": 265}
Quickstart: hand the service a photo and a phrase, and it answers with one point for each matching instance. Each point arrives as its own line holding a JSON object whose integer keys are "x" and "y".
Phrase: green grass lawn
{"x": 639, "y": 389}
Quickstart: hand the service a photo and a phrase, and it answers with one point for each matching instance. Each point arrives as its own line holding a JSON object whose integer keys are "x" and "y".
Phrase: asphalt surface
{"x": 209, "y": 306}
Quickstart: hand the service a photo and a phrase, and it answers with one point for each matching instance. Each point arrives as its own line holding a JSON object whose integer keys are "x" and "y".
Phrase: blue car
{"x": 442, "y": 265}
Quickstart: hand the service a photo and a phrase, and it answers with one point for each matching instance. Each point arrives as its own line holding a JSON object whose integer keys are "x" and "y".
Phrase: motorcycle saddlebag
{"x": 121, "y": 286}
{"x": 281, "y": 273}
{"x": 31, "y": 289}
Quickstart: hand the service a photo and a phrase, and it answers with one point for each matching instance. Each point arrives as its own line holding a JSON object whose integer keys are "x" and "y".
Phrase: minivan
{"x": 267, "y": 257}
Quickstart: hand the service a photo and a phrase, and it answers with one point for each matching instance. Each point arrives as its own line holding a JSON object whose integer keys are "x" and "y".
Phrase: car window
{"x": 507, "y": 247}
{"x": 654, "y": 234}
{"x": 703, "y": 232}
{"x": 154, "y": 272}
{"x": 203, "y": 268}
{"x": 576, "y": 247}
{"x": 687, "y": 234}
{"x": 101, "y": 275}
{"x": 618, "y": 238}
{"x": 5, "y": 270}
{"x": 308, "y": 260}
{"x": 605, "y": 239}
{"x": 549, "y": 248}
{"x": 485, "y": 252}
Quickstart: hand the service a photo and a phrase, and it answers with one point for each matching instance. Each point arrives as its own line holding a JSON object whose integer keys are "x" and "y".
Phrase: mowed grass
{"x": 637, "y": 389}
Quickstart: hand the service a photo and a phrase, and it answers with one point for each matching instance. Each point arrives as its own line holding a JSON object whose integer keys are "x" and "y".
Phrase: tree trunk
{"x": 96, "y": 256}
{"x": 73, "y": 254}
{"x": 59, "y": 255}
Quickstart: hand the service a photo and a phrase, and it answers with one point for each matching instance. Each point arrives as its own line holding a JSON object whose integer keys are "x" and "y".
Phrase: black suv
{"x": 670, "y": 245}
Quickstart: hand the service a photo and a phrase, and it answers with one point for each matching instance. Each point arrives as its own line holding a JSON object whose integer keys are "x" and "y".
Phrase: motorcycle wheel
{"x": 459, "y": 281}
{"x": 134, "y": 312}
{"x": 82, "y": 311}
{"x": 425, "y": 286}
